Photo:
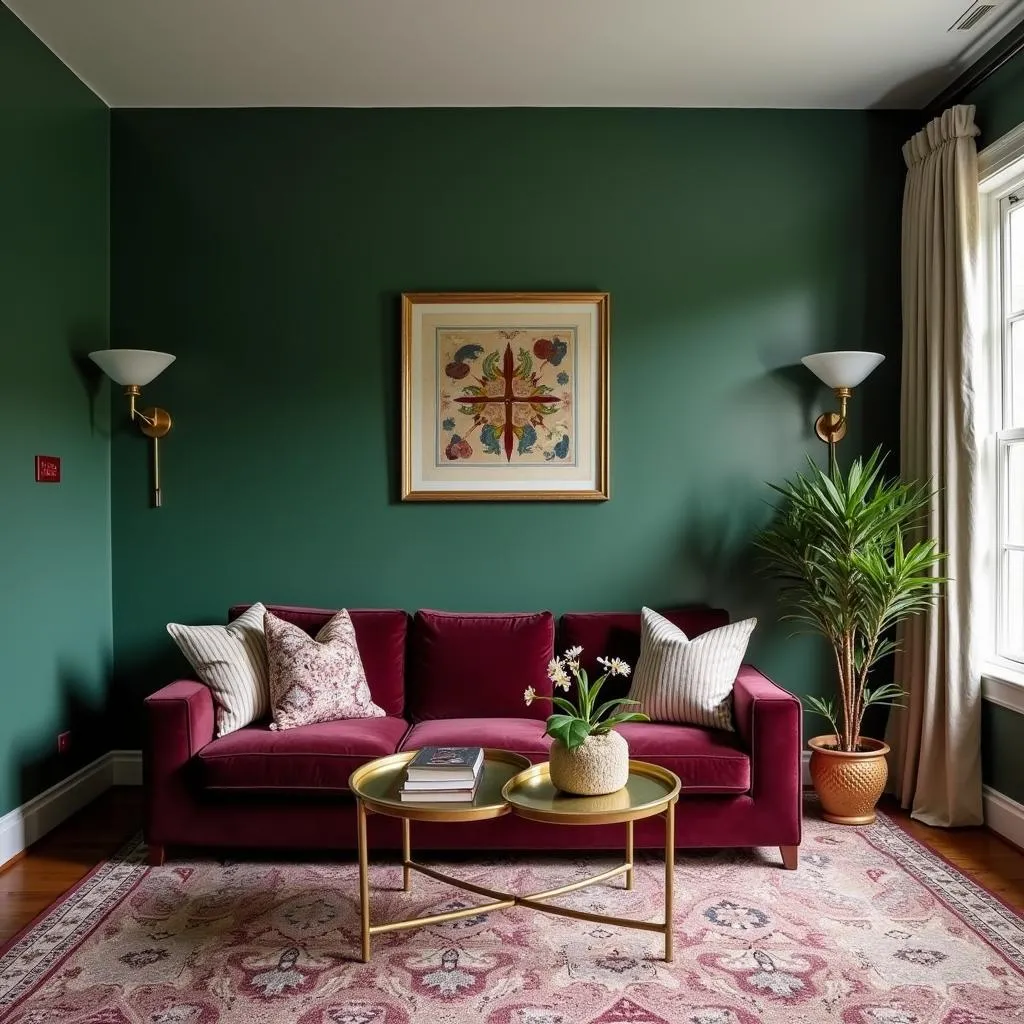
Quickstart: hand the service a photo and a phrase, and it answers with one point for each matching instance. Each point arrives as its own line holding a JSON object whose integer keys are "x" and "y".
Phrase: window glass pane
{"x": 1012, "y": 640}
{"x": 1014, "y": 369}
{"x": 1015, "y": 225}
{"x": 1013, "y": 509}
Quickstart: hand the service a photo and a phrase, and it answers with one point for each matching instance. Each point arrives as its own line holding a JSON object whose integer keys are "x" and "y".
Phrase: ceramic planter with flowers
{"x": 588, "y": 757}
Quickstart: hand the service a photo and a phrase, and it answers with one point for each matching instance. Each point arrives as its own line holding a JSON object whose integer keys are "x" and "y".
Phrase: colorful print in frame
{"x": 505, "y": 396}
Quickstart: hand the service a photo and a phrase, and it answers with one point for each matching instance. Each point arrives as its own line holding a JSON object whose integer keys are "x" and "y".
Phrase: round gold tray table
{"x": 649, "y": 791}
{"x": 377, "y": 788}
{"x": 510, "y": 783}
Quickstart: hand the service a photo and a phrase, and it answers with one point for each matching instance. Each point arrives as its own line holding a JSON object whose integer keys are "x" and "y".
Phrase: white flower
{"x": 556, "y": 673}
{"x": 574, "y": 665}
{"x": 529, "y": 695}
{"x": 574, "y": 653}
{"x": 614, "y": 666}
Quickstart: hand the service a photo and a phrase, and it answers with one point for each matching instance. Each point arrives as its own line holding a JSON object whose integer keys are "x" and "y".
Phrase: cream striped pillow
{"x": 232, "y": 661}
{"x": 688, "y": 681}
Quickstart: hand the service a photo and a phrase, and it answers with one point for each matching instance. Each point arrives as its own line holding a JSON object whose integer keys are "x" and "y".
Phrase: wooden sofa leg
{"x": 157, "y": 855}
{"x": 790, "y": 857}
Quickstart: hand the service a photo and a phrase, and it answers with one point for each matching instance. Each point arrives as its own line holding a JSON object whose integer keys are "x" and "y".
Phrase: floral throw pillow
{"x": 319, "y": 680}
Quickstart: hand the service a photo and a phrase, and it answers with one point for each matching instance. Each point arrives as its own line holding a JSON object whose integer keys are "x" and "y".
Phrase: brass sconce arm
{"x": 155, "y": 423}
{"x": 831, "y": 426}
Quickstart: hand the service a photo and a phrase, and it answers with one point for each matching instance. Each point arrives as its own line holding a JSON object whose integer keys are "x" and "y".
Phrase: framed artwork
{"x": 505, "y": 396}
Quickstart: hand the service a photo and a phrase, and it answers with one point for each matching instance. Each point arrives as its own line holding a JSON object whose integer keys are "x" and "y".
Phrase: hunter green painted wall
{"x": 268, "y": 250}
{"x": 55, "y": 597}
{"x": 1002, "y": 736}
{"x": 1000, "y": 101}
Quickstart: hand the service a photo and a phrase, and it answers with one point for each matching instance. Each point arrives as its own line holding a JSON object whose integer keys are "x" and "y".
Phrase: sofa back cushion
{"x": 380, "y": 637}
{"x": 617, "y": 635}
{"x": 478, "y": 665}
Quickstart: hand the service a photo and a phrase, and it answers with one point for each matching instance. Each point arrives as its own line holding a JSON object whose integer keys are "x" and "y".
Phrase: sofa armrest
{"x": 179, "y": 723}
{"x": 769, "y": 720}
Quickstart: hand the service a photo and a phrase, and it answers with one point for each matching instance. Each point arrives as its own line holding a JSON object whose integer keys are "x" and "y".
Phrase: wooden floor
{"x": 29, "y": 885}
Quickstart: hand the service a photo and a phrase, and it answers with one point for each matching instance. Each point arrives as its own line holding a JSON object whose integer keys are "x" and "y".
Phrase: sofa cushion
{"x": 477, "y": 666}
{"x": 310, "y": 757}
{"x": 232, "y": 661}
{"x": 317, "y": 679}
{"x": 380, "y": 637}
{"x": 520, "y": 735}
{"x": 617, "y": 635}
{"x": 706, "y": 760}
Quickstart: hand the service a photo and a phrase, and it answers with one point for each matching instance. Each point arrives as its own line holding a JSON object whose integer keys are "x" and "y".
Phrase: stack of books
{"x": 443, "y": 775}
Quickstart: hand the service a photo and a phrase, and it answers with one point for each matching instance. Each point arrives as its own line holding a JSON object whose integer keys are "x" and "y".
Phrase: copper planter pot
{"x": 848, "y": 784}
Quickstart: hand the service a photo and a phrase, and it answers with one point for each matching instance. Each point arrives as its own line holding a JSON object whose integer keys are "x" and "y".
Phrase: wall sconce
{"x": 842, "y": 372}
{"x": 132, "y": 368}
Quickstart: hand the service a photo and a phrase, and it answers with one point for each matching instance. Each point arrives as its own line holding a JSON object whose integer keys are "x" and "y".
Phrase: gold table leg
{"x": 502, "y": 900}
{"x": 670, "y": 865}
{"x": 629, "y": 854}
{"x": 364, "y": 882}
{"x": 406, "y": 856}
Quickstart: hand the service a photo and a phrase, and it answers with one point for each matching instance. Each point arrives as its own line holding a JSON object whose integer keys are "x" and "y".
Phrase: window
{"x": 1007, "y": 438}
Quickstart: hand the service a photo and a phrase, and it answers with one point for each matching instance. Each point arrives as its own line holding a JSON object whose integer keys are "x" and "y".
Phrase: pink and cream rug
{"x": 872, "y": 929}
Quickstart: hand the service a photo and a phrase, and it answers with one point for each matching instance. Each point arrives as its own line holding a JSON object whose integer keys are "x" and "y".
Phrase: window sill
{"x": 1003, "y": 685}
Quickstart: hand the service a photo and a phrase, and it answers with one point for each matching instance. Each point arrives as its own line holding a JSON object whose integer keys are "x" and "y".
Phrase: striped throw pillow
{"x": 688, "y": 681}
{"x": 232, "y": 661}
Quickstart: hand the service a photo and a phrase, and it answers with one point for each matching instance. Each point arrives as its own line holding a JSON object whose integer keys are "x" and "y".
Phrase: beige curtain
{"x": 936, "y": 738}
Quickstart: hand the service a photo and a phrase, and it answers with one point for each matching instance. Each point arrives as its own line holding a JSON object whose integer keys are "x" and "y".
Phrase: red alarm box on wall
{"x": 47, "y": 469}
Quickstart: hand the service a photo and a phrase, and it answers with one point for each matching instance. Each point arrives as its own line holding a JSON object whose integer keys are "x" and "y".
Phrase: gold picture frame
{"x": 505, "y": 396}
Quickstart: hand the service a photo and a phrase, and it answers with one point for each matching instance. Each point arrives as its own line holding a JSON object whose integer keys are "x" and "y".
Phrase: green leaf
{"x": 626, "y": 716}
{"x": 489, "y": 370}
{"x": 577, "y": 732}
{"x": 557, "y": 726}
{"x": 565, "y": 705}
{"x": 525, "y": 364}
{"x": 610, "y": 705}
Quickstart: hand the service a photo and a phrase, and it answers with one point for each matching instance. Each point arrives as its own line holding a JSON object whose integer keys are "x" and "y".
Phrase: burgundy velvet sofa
{"x": 447, "y": 678}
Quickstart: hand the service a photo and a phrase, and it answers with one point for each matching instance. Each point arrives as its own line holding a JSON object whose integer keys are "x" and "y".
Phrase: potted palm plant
{"x": 839, "y": 546}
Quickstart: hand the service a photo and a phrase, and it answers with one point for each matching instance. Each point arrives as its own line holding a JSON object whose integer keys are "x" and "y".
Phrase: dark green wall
{"x": 1002, "y": 732}
{"x": 55, "y": 598}
{"x": 1000, "y": 101}
{"x": 268, "y": 249}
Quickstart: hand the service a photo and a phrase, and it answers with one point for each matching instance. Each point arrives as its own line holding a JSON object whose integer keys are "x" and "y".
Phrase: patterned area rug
{"x": 872, "y": 929}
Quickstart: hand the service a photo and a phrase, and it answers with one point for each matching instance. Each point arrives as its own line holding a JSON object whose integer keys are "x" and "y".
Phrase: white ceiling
{"x": 386, "y": 53}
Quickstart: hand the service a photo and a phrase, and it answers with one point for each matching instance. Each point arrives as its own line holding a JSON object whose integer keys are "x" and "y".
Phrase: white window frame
{"x": 997, "y": 341}
{"x": 1001, "y": 174}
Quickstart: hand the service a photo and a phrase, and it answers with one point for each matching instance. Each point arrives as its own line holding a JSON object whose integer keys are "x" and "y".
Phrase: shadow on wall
{"x": 85, "y": 715}
{"x": 82, "y": 339}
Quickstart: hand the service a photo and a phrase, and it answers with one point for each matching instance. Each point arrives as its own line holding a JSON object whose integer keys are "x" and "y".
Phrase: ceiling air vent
{"x": 972, "y": 16}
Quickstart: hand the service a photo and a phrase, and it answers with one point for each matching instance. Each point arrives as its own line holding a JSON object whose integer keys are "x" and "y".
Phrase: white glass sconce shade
{"x": 128, "y": 366}
{"x": 842, "y": 369}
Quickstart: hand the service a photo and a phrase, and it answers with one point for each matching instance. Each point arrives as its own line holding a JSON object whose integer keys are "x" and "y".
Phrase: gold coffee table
{"x": 509, "y": 783}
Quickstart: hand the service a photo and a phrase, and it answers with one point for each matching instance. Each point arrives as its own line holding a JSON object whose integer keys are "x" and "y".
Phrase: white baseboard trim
{"x": 125, "y": 767}
{"x": 26, "y": 824}
{"x": 1004, "y": 815}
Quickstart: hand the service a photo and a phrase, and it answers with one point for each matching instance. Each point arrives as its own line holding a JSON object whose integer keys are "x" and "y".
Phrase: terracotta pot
{"x": 598, "y": 766}
{"x": 848, "y": 783}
